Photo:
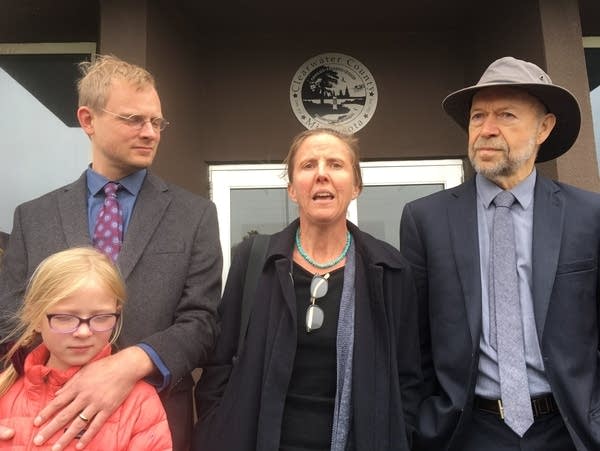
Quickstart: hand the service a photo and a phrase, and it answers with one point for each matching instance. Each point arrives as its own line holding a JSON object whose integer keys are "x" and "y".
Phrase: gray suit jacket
{"x": 171, "y": 261}
{"x": 438, "y": 235}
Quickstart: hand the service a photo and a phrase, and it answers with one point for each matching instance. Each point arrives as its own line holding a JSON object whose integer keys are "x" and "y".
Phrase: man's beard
{"x": 510, "y": 162}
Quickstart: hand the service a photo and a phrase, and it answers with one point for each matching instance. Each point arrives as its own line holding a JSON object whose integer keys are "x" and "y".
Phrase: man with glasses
{"x": 164, "y": 240}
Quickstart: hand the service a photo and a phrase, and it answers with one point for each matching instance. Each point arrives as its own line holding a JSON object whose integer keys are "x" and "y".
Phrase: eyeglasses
{"x": 314, "y": 313}
{"x": 137, "y": 121}
{"x": 66, "y": 324}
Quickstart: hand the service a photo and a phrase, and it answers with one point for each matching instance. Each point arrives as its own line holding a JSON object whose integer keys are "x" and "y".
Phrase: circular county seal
{"x": 333, "y": 90}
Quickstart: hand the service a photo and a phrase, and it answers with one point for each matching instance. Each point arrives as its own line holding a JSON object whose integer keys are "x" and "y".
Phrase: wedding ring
{"x": 82, "y": 417}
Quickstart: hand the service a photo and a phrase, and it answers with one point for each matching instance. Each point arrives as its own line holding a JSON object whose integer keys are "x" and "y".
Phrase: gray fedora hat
{"x": 509, "y": 71}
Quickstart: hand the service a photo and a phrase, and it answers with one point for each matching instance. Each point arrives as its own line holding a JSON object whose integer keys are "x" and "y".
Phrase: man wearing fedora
{"x": 506, "y": 267}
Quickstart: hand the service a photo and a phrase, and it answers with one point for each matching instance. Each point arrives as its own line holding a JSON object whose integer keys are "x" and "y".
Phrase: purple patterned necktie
{"x": 108, "y": 232}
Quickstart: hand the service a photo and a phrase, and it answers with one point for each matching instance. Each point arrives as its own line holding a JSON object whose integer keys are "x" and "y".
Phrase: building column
{"x": 124, "y": 29}
{"x": 565, "y": 60}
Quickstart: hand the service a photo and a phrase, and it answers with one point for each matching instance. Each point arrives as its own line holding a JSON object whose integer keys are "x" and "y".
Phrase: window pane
{"x": 380, "y": 208}
{"x": 259, "y": 210}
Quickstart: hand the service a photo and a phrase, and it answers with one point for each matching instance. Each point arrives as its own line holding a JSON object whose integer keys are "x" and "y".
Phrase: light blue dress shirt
{"x": 127, "y": 195}
{"x": 488, "y": 385}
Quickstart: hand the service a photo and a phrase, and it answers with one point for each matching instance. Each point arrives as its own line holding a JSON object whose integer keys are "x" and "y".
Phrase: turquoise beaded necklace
{"x": 328, "y": 264}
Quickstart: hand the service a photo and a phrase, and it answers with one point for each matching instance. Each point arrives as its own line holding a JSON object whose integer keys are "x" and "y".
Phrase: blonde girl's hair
{"x": 97, "y": 76}
{"x": 56, "y": 278}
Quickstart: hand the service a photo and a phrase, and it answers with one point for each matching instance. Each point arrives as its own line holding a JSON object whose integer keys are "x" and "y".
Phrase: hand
{"x": 89, "y": 398}
{"x": 6, "y": 433}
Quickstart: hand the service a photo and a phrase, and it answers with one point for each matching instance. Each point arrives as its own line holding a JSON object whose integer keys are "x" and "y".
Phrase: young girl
{"x": 70, "y": 316}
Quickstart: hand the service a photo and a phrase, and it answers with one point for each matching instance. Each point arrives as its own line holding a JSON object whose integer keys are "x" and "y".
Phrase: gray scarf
{"x": 342, "y": 414}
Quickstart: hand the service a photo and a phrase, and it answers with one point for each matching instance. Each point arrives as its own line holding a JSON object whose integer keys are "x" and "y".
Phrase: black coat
{"x": 246, "y": 414}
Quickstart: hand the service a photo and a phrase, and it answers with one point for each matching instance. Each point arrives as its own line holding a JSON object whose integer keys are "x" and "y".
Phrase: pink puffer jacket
{"x": 139, "y": 424}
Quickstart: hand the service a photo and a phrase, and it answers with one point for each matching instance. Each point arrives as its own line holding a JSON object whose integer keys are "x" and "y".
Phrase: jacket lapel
{"x": 548, "y": 212}
{"x": 150, "y": 206}
{"x": 286, "y": 281}
{"x": 462, "y": 215}
{"x": 72, "y": 206}
{"x": 280, "y": 249}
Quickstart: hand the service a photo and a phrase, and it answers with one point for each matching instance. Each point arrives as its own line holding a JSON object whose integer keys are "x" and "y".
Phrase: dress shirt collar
{"x": 132, "y": 183}
{"x": 523, "y": 192}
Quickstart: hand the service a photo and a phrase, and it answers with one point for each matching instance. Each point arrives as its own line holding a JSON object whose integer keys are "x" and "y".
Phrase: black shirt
{"x": 308, "y": 412}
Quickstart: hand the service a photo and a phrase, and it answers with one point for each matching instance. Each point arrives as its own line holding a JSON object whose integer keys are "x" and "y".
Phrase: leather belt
{"x": 542, "y": 405}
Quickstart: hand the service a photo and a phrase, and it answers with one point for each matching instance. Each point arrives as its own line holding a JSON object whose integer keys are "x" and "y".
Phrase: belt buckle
{"x": 500, "y": 408}
{"x": 541, "y": 406}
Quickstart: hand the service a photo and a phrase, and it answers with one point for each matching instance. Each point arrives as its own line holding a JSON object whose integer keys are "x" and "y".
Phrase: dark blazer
{"x": 171, "y": 262}
{"x": 439, "y": 237}
{"x": 246, "y": 414}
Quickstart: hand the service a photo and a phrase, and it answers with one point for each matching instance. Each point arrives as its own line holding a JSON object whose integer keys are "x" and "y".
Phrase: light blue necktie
{"x": 514, "y": 387}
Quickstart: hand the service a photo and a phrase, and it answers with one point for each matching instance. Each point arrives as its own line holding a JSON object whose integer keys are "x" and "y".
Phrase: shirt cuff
{"x": 162, "y": 380}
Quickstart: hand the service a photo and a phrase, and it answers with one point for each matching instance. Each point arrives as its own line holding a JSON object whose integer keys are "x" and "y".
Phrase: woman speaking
{"x": 331, "y": 355}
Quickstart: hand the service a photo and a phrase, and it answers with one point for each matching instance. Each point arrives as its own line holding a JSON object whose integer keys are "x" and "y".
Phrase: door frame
{"x": 224, "y": 178}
